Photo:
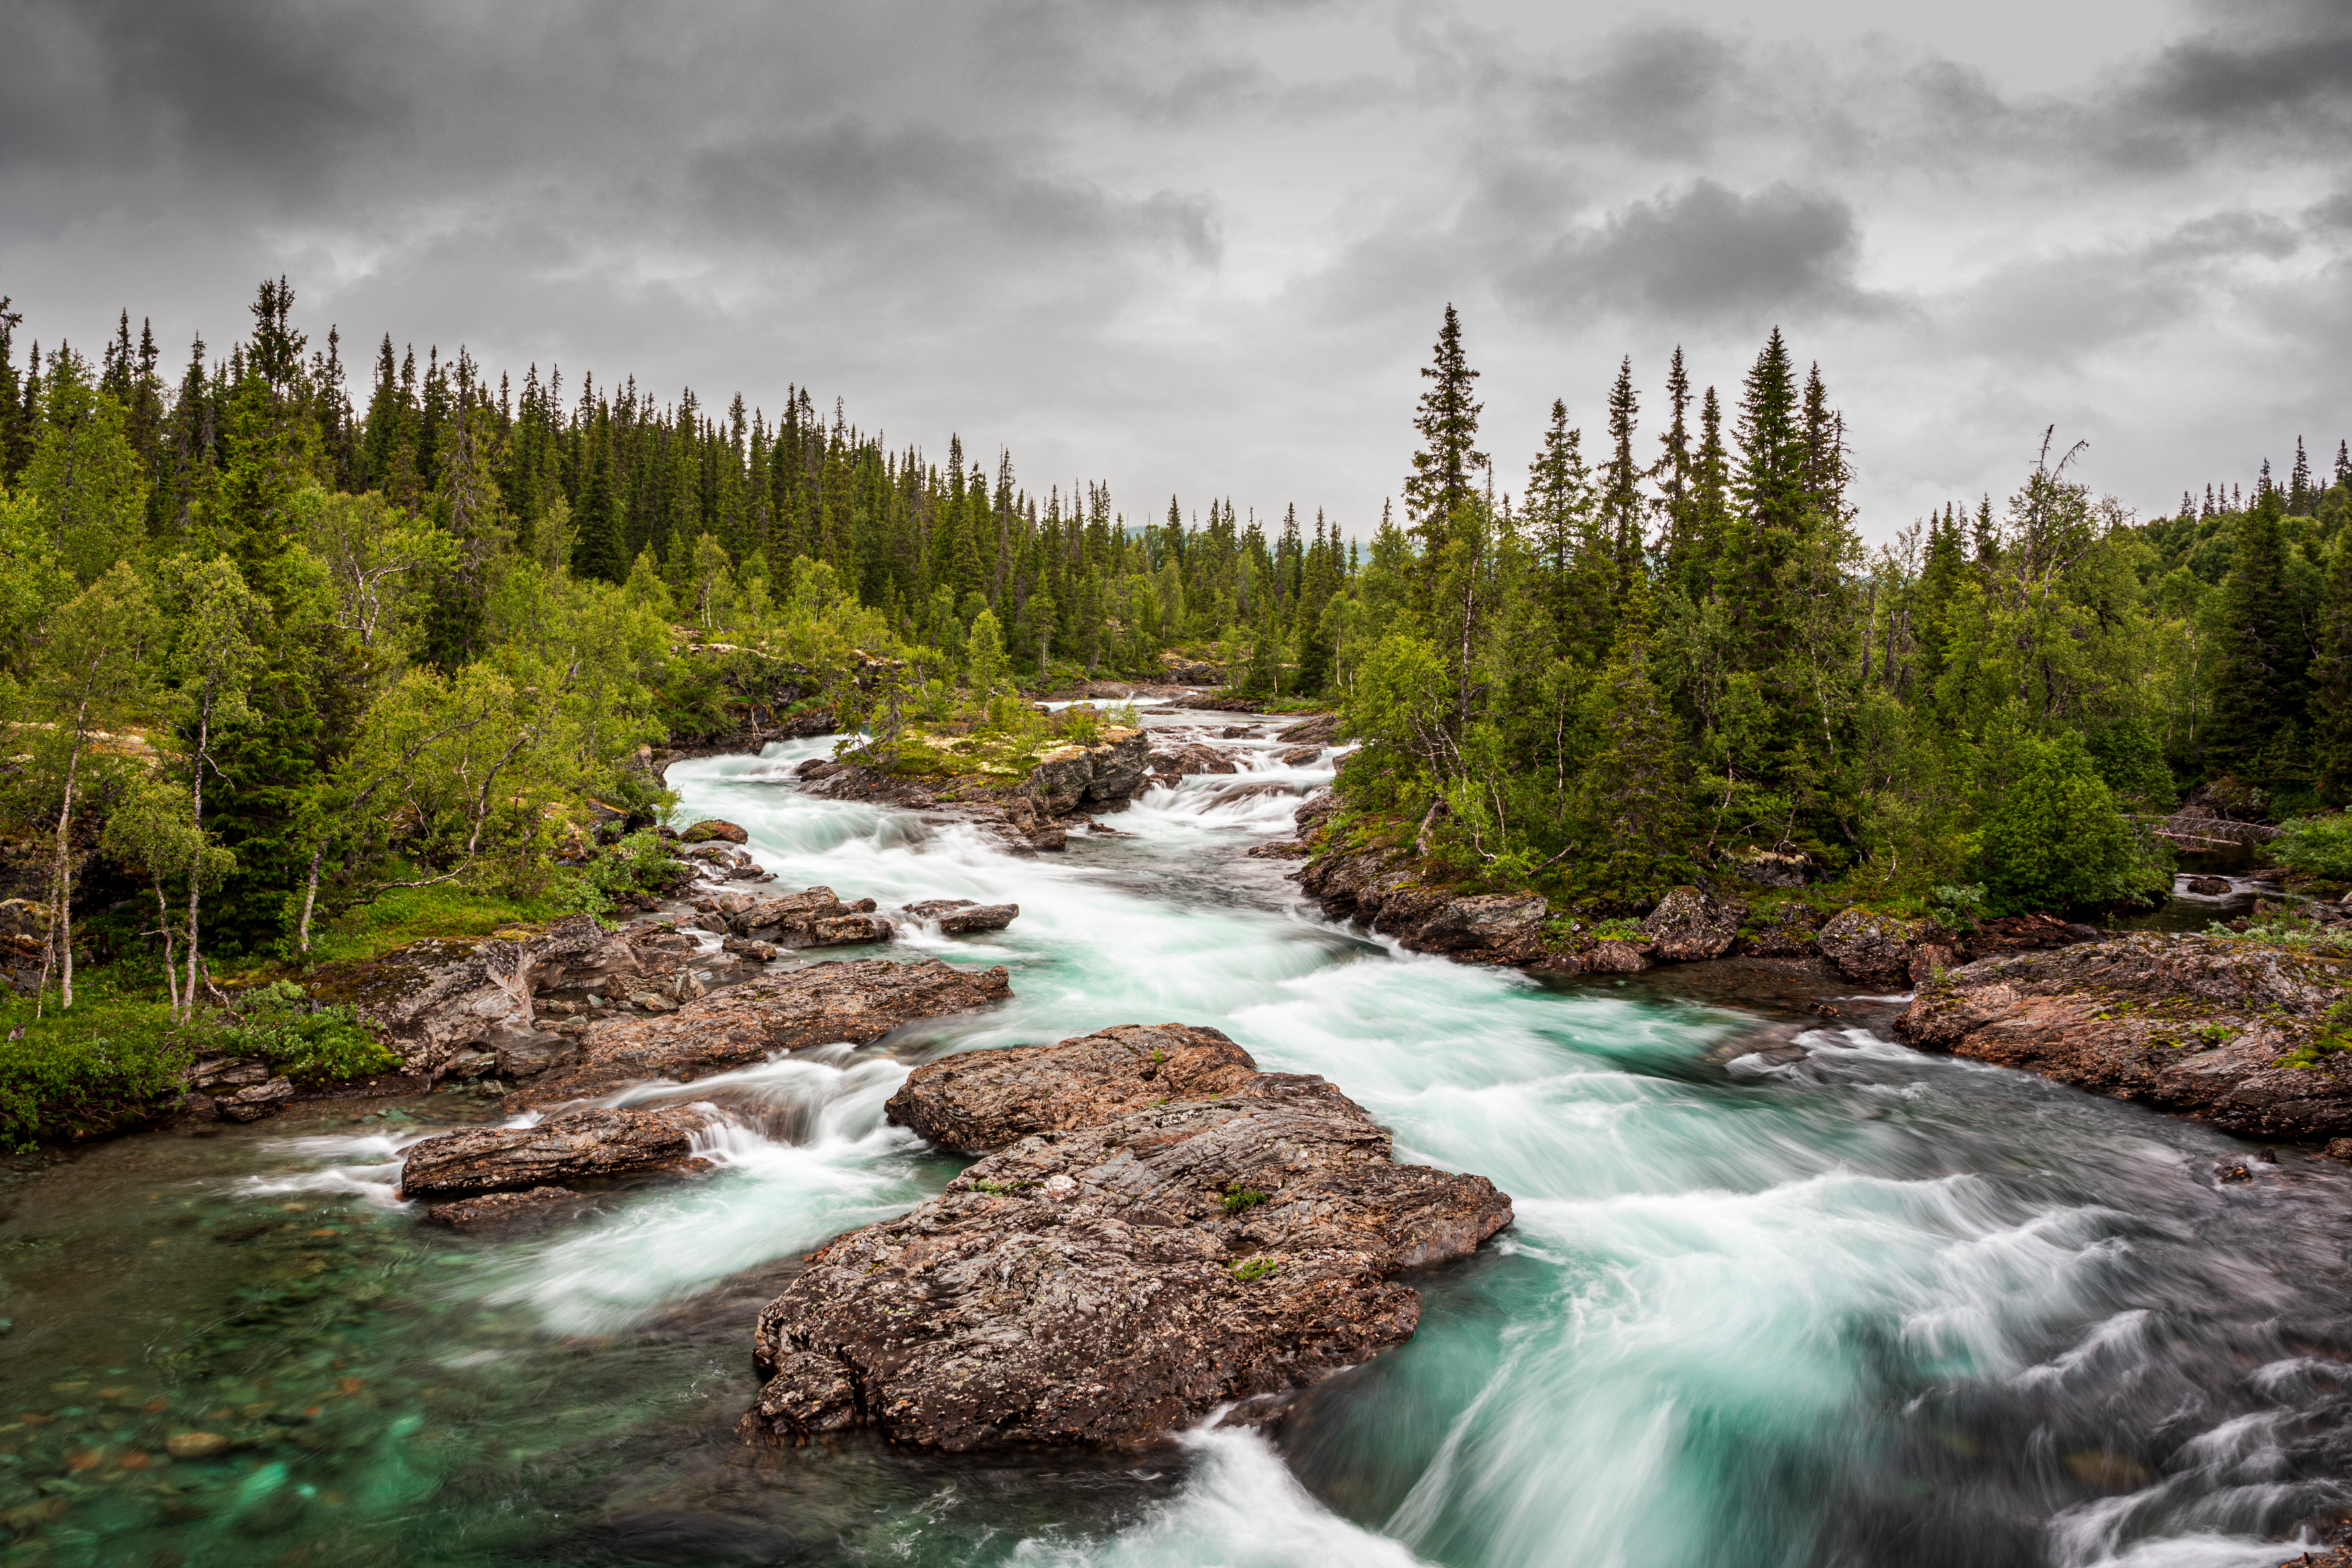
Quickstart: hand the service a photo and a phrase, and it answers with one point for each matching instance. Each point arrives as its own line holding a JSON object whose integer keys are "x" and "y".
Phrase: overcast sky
{"x": 1204, "y": 248}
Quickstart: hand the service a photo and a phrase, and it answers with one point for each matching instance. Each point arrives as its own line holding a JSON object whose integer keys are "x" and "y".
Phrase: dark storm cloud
{"x": 1706, "y": 251}
{"x": 1204, "y": 242}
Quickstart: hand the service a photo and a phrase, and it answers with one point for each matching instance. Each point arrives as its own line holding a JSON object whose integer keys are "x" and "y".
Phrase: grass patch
{"x": 1249, "y": 1270}
{"x": 1240, "y": 1198}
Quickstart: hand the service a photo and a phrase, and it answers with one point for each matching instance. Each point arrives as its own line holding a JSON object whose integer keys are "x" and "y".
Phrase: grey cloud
{"x": 1707, "y": 252}
{"x": 1661, "y": 91}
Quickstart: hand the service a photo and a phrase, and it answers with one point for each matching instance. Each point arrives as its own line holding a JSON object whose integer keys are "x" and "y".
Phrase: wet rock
{"x": 982, "y": 1100}
{"x": 750, "y": 947}
{"x": 1108, "y": 1284}
{"x": 1102, "y": 776}
{"x": 499, "y": 1210}
{"x": 430, "y": 998}
{"x": 1786, "y": 932}
{"x": 1323, "y": 729}
{"x": 2210, "y": 887}
{"x": 1930, "y": 959}
{"x": 1191, "y": 672}
{"x": 1867, "y": 945}
{"x": 226, "y": 1074}
{"x": 2024, "y": 933}
{"x": 255, "y": 1101}
{"x": 1301, "y": 756}
{"x": 533, "y": 1054}
{"x": 1687, "y": 925}
{"x": 858, "y": 1000}
{"x": 596, "y": 1142}
{"x": 196, "y": 1445}
{"x": 812, "y": 917}
{"x": 1616, "y": 957}
{"x": 2191, "y": 1024}
{"x": 1316, "y": 810}
{"x": 1498, "y": 921}
{"x": 958, "y": 916}
{"x": 1279, "y": 849}
{"x": 1238, "y": 732}
{"x": 2340, "y": 1557}
{"x": 1193, "y": 759}
{"x": 712, "y": 829}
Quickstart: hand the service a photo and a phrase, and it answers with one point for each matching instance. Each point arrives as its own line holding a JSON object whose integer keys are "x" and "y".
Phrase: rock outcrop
{"x": 2194, "y": 1025}
{"x": 596, "y": 1142}
{"x": 1867, "y": 946}
{"x": 982, "y": 1100}
{"x": 856, "y": 1000}
{"x": 501, "y": 1210}
{"x": 1070, "y": 780}
{"x": 1107, "y": 1282}
{"x": 961, "y": 916}
{"x": 1687, "y": 925}
{"x": 814, "y": 917}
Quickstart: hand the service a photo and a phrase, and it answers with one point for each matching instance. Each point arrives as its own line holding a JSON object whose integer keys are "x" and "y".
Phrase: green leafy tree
{"x": 84, "y": 474}
{"x": 2055, "y": 839}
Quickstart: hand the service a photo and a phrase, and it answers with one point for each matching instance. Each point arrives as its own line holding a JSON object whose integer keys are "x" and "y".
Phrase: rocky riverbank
{"x": 2233, "y": 1032}
{"x": 1030, "y": 812}
{"x": 1159, "y": 1230}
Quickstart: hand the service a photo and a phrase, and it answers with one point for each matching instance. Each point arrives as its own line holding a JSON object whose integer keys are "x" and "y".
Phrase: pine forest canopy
{"x": 400, "y": 643}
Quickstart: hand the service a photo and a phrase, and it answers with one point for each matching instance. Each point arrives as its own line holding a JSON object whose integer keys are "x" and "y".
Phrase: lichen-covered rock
{"x": 2195, "y": 1025}
{"x": 1868, "y": 945}
{"x": 981, "y": 1100}
{"x": 1104, "y": 775}
{"x": 1110, "y": 1284}
{"x": 858, "y": 1000}
{"x": 1499, "y": 922}
{"x": 431, "y": 999}
{"x": 595, "y": 1143}
{"x": 712, "y": 829}
{"x": 1687, "y": 925}
{"x": 1614, "y": 956}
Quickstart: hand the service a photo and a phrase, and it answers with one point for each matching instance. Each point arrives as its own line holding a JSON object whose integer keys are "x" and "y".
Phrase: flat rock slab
{"x": 2191, "y": 1024}
{"x": 1108, "y": 1284}
{"x": 500, "y": 1210}
{"x": 983, "y": 1100}
{"x": 855, "y": 1000}
{"x": 597, "y": 1143}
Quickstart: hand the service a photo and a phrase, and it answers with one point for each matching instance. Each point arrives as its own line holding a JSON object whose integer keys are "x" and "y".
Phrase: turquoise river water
{"x": 1837, "y": 1304}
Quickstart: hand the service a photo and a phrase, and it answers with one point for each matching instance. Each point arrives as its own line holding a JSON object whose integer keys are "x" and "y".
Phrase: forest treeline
{"x": 1679, "y": 658}
{"x": 274, "y": 644}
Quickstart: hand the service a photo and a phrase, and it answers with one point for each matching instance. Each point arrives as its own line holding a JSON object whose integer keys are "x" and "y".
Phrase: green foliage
{"x": 1957, "y": 905}
{"x": 2321, "y": 846}
{"x": 1237, "y": 1199}
{"x": 2328, "y": 1042}
{"x": 1250, "y": 1271}
{"x": 2056, "y": 841}
{"x": 112, "y": 1060}
{"x": 311, "y": 1043}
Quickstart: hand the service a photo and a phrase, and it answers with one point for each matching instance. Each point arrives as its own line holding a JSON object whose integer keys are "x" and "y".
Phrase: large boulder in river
{"x": 982, "y": 1100}
{"x": 1112, "y": 1284}
{"x": 1688, "y": 926}
{"x": 857, "y": 1001}
{"x": 1498, "y": 921}
{"x": 430, "y": 999}
{"x": 714, "y": 830}
{"x": 814, "y": 917}
{"x": 566, "y": 1148}
{"x": 1867, "y": 945}
{"x": 1101, "y": 777}
{"x": 961, "y": 916}
{"x": 2201, "y": 1025}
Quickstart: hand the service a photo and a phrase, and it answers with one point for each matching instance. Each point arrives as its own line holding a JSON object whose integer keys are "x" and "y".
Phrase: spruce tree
{"x": 597, "y": 548}
{"x": 1621, "y": 482}
{"x": 1443, "y": 469}
{"x": 2331, "y": 677}
{"x": 2259, "y": 665}
{"x": 1634, "y": 792}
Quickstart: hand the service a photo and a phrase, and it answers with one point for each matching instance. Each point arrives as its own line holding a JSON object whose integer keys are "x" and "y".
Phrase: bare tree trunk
{"x": 196, "y": 867}
{"x": 309, "y": 897}
{"x": 59, "y": 947}
{"x": 164, "y": 929}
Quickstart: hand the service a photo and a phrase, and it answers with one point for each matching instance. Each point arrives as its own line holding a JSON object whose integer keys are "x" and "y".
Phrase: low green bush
{"x": 2321, "y": 846}
{"x": 106, "y": 1064}
{"x": 313, "y": 1045}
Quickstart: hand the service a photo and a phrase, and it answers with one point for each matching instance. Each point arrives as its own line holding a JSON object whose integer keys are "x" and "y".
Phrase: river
{"x": 1840, "y": 1304}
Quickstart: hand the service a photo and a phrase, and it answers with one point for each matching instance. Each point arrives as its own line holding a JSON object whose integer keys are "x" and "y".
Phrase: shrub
{"x": 1238, "y": 1198}
{"x": 2320, "y": 846}
{"x": 309, "y": 1043}
{"x": 2056, "y": 840}
{"x": 1249, "y": 1270}
{"x": 106, "y": 1063}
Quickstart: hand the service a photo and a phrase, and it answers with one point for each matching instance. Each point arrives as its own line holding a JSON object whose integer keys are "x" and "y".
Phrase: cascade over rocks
{"x": 595, "y": 1143}
{"x": 856, "y": 1000}
{"x": 1124, "y": 1266}
{"x": 1070, "y": 780}
{"x": 2194, "y": 1025}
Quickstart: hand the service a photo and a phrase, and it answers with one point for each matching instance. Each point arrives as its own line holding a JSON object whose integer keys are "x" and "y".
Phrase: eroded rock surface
{"x": 1109, "y": 1284}
{"x": 1688, "y": 926}
{"x": 500, "y": 1210}
{"x": 595, "y": 1143}
{"x": 959, "y": 916}
{"x": 1867, "y": 946}
{"x": 2194, "y": 1025}
{"x": 982, "y": 1100}
{"x": 855, "y": 1000}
